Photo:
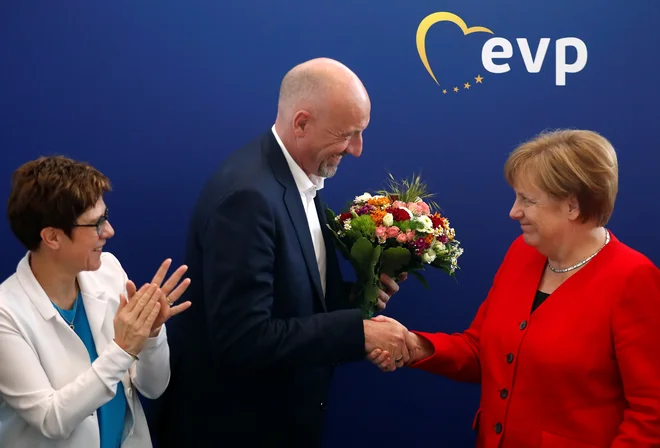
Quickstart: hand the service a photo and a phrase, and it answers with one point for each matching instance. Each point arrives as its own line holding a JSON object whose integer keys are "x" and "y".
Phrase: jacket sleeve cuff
{"x": 351, "y": 328}
{"x": 156, "y": 341}
{"x": 112, "y": 365}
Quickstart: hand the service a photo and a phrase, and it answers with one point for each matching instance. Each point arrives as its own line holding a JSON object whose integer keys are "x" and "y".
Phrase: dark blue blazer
{"x": 254, "y": 354}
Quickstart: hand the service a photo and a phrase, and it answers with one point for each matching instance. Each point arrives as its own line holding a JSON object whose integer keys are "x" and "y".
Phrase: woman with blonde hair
{"x": 566, "y": 345}
{"x": 78, "y": 339}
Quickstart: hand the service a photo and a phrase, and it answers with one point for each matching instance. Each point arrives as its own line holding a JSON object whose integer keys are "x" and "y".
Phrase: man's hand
{"x": 390, "y": 286}
{"x": 389, "y": 336}
{"x": 418, "y": 349}
{"x": 170, "y": 294}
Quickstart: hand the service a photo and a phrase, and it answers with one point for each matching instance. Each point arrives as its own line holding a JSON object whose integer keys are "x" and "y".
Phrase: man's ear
{"x": 51, "y": 237}
{"x": 301, "y": 122}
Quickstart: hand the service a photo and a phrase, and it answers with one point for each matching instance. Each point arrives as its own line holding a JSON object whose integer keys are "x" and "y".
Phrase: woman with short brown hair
{"x": 77, "y": 336}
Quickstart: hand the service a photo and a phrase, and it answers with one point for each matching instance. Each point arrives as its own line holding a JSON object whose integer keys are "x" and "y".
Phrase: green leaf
{"x": 421, "y": 278}
{"x": 369, "y": 300}
{"x": 366, "y": 258}
{"x": 394, "y": 260}
{"x": 408, "y": 190}
{"x": 362, "y": 252}
{"x": 353, "y": 235}
{"x": 330, "y": 215}
{"x": 416, "y": 265}
{"x": 375, "y": 258}
{"x": 340, "y": 244}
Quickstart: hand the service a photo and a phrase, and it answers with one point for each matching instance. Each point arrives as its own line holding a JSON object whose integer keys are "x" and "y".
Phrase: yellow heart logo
{"x": 431, "y": 20}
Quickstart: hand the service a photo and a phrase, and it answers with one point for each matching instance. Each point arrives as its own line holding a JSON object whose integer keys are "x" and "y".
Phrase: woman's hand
{"x": 170, "y": 294}
{"x": 134, "y": 319}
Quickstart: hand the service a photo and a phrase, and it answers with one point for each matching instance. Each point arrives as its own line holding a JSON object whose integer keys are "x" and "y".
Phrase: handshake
{"x": 389, "y": 345}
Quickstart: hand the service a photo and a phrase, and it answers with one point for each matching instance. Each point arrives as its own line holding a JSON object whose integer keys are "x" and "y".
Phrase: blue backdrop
{"x": 156, "y": 94}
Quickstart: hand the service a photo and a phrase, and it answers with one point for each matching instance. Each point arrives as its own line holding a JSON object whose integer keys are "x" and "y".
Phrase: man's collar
{"x": 306, "y": 184}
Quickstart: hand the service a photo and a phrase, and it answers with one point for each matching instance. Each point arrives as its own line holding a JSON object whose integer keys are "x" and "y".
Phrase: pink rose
{"x": 392, "y": 232}
{"x": 414, "y": 208}
{"x": 424, "y": 208}
{"x": 380, "y": 231}
{"x": 401, "y": 238}
{"x": 398, "y": 204}
{"x": 410, "y": 235}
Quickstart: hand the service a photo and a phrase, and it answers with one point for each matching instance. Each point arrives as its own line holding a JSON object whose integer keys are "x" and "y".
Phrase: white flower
{"x": 439, "y": 248}
{"x": 388, "y": 219}
{"x": 426, "y": 222}
{"x": 347, "y": 224}
{"x": 362, "y": 198}
{"x": 428, "y": 256}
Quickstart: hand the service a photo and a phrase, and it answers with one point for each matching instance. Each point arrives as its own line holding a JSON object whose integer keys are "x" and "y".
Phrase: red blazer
{"x": 582, "y": 371}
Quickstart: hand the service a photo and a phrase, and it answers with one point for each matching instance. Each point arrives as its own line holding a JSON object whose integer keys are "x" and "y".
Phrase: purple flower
{"x": 444, "y": 239}
{"x": 419, "y": 245}
{"x": 365, "y": 209}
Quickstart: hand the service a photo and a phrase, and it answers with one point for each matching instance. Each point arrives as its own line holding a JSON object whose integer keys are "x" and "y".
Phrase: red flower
{"x": 344, "y": 216}
{"x": 399, "y": 214}
{"x": 437, "y": 221}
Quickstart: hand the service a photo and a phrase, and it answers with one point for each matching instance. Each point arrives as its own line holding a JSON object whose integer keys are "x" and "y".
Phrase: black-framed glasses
{"x": 98, "y": 224}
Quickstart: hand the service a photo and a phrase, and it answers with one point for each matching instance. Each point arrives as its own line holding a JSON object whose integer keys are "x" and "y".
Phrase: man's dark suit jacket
{"x": 255, "y": 353}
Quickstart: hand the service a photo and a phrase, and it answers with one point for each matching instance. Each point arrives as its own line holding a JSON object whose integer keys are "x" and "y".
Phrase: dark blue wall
{"x": 155, "y": 94}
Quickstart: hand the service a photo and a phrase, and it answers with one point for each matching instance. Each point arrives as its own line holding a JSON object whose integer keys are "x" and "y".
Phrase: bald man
{"x": 271, "y": 315}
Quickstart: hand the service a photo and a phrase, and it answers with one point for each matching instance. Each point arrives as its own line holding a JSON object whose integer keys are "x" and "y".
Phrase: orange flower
{"x": 428, "y": 239}
{"x": 377, "y": 217}
{"x": 379, "y": 202}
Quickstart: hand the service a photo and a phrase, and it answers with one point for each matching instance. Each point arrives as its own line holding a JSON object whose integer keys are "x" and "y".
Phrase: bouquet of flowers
{"x": 393, "y": 231}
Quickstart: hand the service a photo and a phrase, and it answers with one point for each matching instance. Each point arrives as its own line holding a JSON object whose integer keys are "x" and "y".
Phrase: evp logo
{"x": 497, "y": 50}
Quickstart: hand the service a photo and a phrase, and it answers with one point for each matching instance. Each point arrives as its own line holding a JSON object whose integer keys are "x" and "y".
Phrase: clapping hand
{"x": 170, "y": 294}
{"x": 134, "y": 319}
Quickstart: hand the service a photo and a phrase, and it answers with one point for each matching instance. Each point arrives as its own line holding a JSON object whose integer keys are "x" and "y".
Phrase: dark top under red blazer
{"x": 582, "y": 370}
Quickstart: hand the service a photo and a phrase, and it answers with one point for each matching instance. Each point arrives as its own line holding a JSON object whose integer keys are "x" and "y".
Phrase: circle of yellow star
{"x": 479, "y": 79}
{"x": 466, "y": 85}
{"x": 444, "y": 91}
{"x": 455, "y": 89}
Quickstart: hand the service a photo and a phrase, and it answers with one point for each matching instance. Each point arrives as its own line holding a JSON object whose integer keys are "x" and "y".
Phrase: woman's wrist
{"x": 422, "y": 347}
{"x": 156, "y": 332}
{"x": 134, "y": 356}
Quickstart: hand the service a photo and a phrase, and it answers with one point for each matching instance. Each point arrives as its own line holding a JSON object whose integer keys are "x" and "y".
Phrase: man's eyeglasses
{"x": 98, "y": 224}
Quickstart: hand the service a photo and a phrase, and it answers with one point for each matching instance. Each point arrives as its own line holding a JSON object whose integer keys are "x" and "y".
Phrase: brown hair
{"x": 51, "y": 192}
{"x": 567, "y": 163}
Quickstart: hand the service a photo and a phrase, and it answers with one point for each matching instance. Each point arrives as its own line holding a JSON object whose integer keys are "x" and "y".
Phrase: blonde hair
{"x": 566, "y": 163}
